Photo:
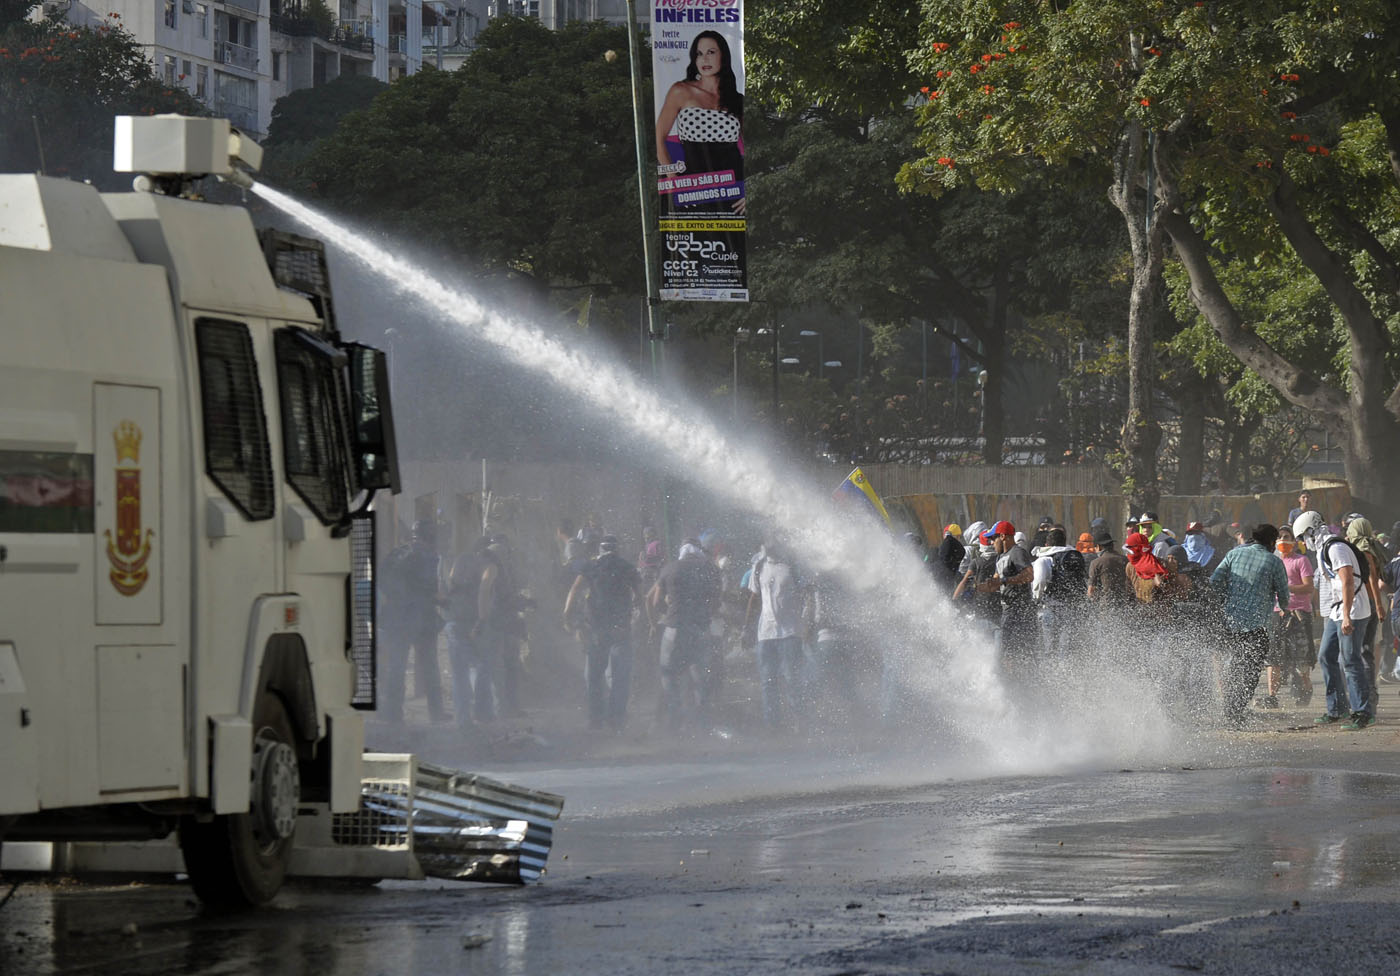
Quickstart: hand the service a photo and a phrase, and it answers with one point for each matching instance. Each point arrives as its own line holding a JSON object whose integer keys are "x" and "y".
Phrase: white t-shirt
{"x": 1329, "y": 583}
{"x": 780, "y": 600}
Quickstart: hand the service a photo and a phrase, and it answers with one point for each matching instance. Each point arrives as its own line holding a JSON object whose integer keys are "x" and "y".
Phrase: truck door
{"x": 239, "y": 560}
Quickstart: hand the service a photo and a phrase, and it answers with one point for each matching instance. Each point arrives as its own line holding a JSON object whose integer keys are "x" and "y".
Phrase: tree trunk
{"x": 1142, "y": 435}
{"x": 1191, "y": 444}
{"x": 1359, "y": 418}
{"x": 993, "y": 417}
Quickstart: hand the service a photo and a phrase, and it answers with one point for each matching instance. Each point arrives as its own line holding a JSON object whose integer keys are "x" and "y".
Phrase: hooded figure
{"x": 1198, "y": 548}
{"x": 1139, "y": 553}
{"x": 951, "y": 553}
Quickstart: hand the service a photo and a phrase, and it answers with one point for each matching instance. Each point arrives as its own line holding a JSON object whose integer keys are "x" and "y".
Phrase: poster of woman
{"x": 698, "y": 72}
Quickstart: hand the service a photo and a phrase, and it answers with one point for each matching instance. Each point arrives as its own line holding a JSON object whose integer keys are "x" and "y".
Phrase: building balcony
{"x": 253, "y": 6}
{"x": 236, "y": 55}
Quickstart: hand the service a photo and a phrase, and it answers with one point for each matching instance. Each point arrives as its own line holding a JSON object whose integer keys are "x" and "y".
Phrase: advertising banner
{"x": 698, "y": 72}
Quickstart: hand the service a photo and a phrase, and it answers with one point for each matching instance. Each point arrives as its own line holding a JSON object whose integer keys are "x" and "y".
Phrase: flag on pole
{"x": 857, "y": 490}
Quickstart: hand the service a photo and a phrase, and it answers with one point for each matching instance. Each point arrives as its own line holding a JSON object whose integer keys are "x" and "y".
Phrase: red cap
{"x": 1195, "y": 527}
{"x": 1003, "y": 528}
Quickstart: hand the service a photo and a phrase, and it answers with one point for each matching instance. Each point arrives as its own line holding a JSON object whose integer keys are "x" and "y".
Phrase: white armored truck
{"x": 188, "y": 449}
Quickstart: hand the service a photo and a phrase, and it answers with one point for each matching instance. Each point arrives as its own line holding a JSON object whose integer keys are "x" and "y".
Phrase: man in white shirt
{"x": 1342, "y": 598}
{"x": 777, "y": 593}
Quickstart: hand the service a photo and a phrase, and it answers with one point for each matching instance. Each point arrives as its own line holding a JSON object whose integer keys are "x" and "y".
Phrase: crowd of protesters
{"x": 658, "y": 634}
{"x": 1241, "y": 596}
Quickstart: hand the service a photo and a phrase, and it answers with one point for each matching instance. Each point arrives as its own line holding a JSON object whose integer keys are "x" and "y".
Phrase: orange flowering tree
{"x": 60, "y": 88}
{"x": 1230, "y": 134}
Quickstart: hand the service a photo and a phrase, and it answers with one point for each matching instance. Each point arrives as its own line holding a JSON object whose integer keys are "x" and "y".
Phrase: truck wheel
{"x": 239, "y": 860}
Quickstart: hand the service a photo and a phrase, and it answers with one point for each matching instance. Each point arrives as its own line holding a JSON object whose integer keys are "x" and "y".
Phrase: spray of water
{"x": 948, "y": 670}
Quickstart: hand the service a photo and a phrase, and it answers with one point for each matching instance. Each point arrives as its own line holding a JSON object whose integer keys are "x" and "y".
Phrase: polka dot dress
{"x": 706, "y": 125}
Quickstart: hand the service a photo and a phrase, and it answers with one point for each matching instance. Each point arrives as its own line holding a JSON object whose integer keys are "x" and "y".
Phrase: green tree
{"x": 60, "y": 88}
{"x": 1241, "y": 131}
{"x": 520, "y": 164}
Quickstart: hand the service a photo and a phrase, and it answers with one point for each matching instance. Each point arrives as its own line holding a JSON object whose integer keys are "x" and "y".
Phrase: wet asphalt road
{"x": 1271, "y": 853}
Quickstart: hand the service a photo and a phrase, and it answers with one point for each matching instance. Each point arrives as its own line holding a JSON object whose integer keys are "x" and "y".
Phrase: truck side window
{"x": 236, "y": 452}
{"x": 45, "y": 492}
{"x": 314, "y": 446}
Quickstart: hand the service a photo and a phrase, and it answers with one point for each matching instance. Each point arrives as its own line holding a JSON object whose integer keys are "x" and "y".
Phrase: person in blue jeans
{"x": 611, "y": 588}
{"x": 776, "y": 593}
{"x": 1343, "y": 599}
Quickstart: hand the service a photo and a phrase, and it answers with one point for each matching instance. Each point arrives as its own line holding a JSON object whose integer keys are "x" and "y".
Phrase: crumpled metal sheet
{"x": 468, "y": 827}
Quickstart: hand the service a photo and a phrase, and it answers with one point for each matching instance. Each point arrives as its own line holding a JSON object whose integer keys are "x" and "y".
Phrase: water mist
{"x": 959, "y": 704}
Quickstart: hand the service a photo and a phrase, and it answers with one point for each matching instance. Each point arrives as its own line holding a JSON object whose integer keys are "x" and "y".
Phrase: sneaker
{"x": 1359, "y": 721}
{"x": 1326, "y": 719}
{"x": 1270, "y": 701}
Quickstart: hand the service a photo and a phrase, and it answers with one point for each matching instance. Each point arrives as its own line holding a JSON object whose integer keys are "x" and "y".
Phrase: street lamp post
{"x": 812, "y": 334}
{"x": 734, "y": 388}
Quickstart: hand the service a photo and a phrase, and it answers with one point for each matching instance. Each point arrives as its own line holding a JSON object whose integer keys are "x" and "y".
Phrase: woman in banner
{"x": 706, "y": 110}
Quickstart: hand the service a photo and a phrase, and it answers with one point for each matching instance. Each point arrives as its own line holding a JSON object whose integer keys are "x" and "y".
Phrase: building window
{"x": 185, "y": 71}
{"x": 201, "y": 17}
{"x": 170, "y": 13}
{"x": 201, "y": 81}
{"x": 170, "y": 69}
{"x": 276, "y": 65}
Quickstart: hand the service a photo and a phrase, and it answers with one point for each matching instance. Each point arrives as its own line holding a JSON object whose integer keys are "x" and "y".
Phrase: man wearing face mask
{"x": 1291, "y": 652}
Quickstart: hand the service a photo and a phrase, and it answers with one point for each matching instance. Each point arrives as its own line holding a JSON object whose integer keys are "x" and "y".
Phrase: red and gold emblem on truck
{"x": 130, "y": 551}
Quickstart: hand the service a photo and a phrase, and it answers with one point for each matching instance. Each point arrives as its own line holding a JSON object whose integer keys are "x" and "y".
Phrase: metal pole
{"x": 774, "y": 326}
{"x": 734, "y": 389}
{"x": 645, "y": 183}
{"x": 923, "y": 332}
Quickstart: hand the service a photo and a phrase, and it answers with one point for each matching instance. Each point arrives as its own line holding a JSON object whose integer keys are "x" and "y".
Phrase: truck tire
{"x": 239, "y": 860}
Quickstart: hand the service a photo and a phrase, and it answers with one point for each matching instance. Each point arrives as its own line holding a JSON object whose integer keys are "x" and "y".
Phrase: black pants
{"x": 1247, "y": 652}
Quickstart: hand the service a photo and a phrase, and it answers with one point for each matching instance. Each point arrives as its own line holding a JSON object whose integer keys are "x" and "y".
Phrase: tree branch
{"x": 1296, "y": 385}
{"x": 1369, "y": 339}
{"x": 1362, "y": 238}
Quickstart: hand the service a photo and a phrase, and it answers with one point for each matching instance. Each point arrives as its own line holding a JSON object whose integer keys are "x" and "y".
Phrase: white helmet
{"x": 1308, "y": 526}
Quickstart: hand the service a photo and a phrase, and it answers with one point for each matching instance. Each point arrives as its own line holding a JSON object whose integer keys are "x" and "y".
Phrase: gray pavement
{"x": 1270, "y": 851}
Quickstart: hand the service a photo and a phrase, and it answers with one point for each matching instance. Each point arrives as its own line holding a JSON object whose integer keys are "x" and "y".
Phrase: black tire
{"x": 230, "y": 863}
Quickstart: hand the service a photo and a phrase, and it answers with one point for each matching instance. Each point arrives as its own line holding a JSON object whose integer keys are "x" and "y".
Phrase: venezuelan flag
{"x": 857, "y": 490}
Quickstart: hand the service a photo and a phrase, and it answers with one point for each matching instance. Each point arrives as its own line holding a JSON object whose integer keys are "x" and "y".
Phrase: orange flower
{"x": 1289, "y": 115}
{"x": 945, "y": 161}
{"x": 923, "y": 89}
{"x": 1324, "y": 151}
{"x": 986, "y": 57}
{"x": 974, "y": 69}
{"x": 933, "y": 94}
{"x": 1312, "y": 149}
{"x": 1145, "y": 102}
{"x": 988, "y": 89}
{"x": 999, "y": 56}
{"x": 940, "y": 46}
{"x": 1012, "y": 25}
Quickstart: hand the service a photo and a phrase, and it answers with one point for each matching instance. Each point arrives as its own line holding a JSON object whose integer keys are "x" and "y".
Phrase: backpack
{"x": 1069, "y": 577}
{"x": 1363, "y": 574}
{"x": 609, "y": 592}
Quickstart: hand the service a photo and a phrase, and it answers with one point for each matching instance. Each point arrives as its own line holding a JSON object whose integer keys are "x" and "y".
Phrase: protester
{"x": 1109, "y": 590}
{"x": 1250, "y": 579}
{"x": 1342, "y": 598}
{"x": 1014, "y": 574}
{"x": 411, "y": 623}
{"x": 1154, "y": 583}
{"x": 1059, "y": 583}
{"x": 610, "y": 587}
{"x": 949, "y": 557}
{"x": 986, "y": 599}
{"x": 472, "y": 687}
{"x": 689, "y": 590}
{"x": 1363, "y": 537}
{"x": 1304, "y": 505}
{"x": 1292, "y": 654}
{"x": 1159, "y": 538}
{"x": 500, "y": 626}
{"x": 1201, "y": 548}
{"x": 777, "y": 596}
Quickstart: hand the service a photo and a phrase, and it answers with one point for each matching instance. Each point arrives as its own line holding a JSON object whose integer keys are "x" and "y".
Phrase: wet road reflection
{"x": 802, "y": 881}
